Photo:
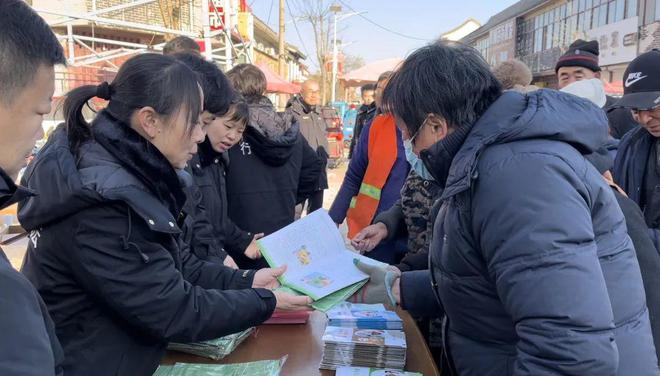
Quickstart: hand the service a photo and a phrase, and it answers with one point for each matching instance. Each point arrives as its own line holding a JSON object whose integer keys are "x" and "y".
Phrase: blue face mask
{"x": 415, "y": 162}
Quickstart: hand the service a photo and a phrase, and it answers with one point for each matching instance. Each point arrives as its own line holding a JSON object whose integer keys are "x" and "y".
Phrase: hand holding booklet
{"x": 318, "y": 263}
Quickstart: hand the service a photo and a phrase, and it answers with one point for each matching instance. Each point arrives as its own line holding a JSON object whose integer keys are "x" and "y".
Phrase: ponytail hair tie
{"x": 104, "y": 90}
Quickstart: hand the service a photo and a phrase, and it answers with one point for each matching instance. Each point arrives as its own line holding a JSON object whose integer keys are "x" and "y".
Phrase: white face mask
{"x": 591, "y": 89}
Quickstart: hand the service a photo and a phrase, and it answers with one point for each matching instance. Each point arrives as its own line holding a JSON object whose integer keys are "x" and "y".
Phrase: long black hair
{"x": 148, "y": 80}
{"x": 448, "y": 79}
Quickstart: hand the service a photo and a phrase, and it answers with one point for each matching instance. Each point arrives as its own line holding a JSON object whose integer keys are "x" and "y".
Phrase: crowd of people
{"x": 520, "y": 225}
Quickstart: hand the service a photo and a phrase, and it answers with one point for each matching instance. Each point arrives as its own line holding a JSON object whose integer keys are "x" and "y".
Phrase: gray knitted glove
{"x": 379, "y": 287}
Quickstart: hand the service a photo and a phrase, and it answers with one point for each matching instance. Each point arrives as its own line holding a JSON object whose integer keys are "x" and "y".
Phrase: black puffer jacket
{"x": 209, "y": 170}
{"x": 270, "y": 171}
{"x": 106, "y": 256}
{"x": 28, "y": 344}
{"x": 197, "y": 231}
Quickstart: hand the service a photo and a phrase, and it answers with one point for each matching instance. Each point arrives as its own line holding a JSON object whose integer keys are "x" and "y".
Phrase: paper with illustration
{"x": 318, "y": 263}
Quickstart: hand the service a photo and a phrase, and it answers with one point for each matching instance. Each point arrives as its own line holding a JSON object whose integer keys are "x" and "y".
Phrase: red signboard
{"x": 216, "y": 15}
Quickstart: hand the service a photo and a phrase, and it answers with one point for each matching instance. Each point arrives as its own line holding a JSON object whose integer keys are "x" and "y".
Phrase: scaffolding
{"x": 224, "y": 45}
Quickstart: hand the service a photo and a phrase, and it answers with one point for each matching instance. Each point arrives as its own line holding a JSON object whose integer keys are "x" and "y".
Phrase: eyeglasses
{"x": 412, "y": 138}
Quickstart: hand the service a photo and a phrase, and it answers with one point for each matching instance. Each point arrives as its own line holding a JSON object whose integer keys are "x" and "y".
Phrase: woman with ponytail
{"x": 106, "y": 253}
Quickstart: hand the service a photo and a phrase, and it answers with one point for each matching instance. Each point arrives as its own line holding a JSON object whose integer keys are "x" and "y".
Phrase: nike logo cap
{"x": 641, "y": 82}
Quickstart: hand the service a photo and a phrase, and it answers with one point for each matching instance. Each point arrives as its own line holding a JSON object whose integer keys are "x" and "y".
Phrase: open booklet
{"x": 318, "y": 263}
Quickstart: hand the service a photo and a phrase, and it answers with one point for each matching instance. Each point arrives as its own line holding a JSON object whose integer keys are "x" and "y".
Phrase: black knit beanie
{"x": 580, "y": 54}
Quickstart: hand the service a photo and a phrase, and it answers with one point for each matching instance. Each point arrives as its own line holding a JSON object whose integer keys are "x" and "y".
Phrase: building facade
{"x": 539, "y": 32}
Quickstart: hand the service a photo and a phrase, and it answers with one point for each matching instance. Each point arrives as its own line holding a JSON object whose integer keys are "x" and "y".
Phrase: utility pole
{"x": 281, "y": 49}
{"x": 281, "y": 46}
{"x": 334, "y": 9}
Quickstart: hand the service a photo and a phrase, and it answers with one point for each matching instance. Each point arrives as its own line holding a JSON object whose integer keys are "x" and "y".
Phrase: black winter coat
{"x": 270, "y": 171}
{"x": 28, "y": 344}
{"x": 106, "y": 256}
{"x": 208, "y": 169}
{"x": 197, "y": 231}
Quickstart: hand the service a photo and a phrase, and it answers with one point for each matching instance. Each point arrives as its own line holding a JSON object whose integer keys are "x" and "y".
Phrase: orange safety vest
{"x": 382, "y": 154}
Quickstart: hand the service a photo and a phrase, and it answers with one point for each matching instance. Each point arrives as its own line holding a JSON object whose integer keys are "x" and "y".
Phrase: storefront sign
{"x": 618, "y": 41}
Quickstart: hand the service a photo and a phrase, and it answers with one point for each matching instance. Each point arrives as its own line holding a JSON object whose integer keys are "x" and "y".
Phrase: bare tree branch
{"x": 317, "y": 13}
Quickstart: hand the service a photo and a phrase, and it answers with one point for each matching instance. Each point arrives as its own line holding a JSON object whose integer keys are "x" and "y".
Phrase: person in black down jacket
{"x": 29, "y": 50}
{"x": 273, "y": 168}
{"x": 105, "y": 251}
{"x": 212, "y": 234}
{"x": 530, "y": 257}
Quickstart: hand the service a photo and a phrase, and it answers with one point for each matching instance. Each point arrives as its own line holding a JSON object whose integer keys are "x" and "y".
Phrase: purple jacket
{"x": 357, "y": 167}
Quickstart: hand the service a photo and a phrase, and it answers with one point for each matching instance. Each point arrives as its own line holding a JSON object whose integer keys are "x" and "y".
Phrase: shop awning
{"x": 276, "y": 84}
{"x": 370, "y": 72}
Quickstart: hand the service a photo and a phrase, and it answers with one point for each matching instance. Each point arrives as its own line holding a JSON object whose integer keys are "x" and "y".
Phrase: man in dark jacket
{"x": 305, "y": 110}
{"x": 580, "y": 62}
{"x": 636, "y": 167}
{"x": 530, "y": 257}
{"x": 364, "y": 115}
{"x": 28, "y": 52}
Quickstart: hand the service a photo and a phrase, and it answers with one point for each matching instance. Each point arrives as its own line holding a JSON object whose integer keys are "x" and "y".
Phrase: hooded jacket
{"x": 530, "y": 257}
{"x": 28, "y": 344}
{"x": 270, "y": 171}
{"x": 106, "y": 256}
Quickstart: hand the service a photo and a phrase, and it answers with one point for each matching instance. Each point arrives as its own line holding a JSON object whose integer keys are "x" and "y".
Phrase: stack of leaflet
{"x": 260, "y": 368}
{"x": 214, "y": 349}
{"x": 364, "y": 316}
{"x": 364, "y": 371}
{"x": 363, "y": 347}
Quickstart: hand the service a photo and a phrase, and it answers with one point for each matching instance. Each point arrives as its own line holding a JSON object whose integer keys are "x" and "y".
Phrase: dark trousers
{"x": 315, "y": 202}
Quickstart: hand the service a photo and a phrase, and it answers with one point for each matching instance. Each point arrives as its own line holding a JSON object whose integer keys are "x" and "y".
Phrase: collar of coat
{"x": 10, "y": 193}
{"x": 68, "y": 183}
{"x": 208, "y": 156}
{"x": 141, "y": 158}
{"x": 541, "y": 115}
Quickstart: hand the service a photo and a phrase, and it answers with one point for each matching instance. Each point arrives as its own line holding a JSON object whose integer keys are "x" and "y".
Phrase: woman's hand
{"x": 289, "y": 302}
{"x": 267, "y": 278}
{"x": 252, "y": 250}
{"x": 230, "y": 263}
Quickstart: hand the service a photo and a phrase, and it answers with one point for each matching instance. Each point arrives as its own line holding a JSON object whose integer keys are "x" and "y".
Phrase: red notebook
{"x": 281, "y": 317}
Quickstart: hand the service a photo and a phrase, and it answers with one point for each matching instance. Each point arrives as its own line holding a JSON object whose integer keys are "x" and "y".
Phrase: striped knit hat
{"x": 580, "y": 54}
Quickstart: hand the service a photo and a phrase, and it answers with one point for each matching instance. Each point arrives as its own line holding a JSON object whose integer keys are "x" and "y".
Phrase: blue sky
{"x": 424, "y": 19}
